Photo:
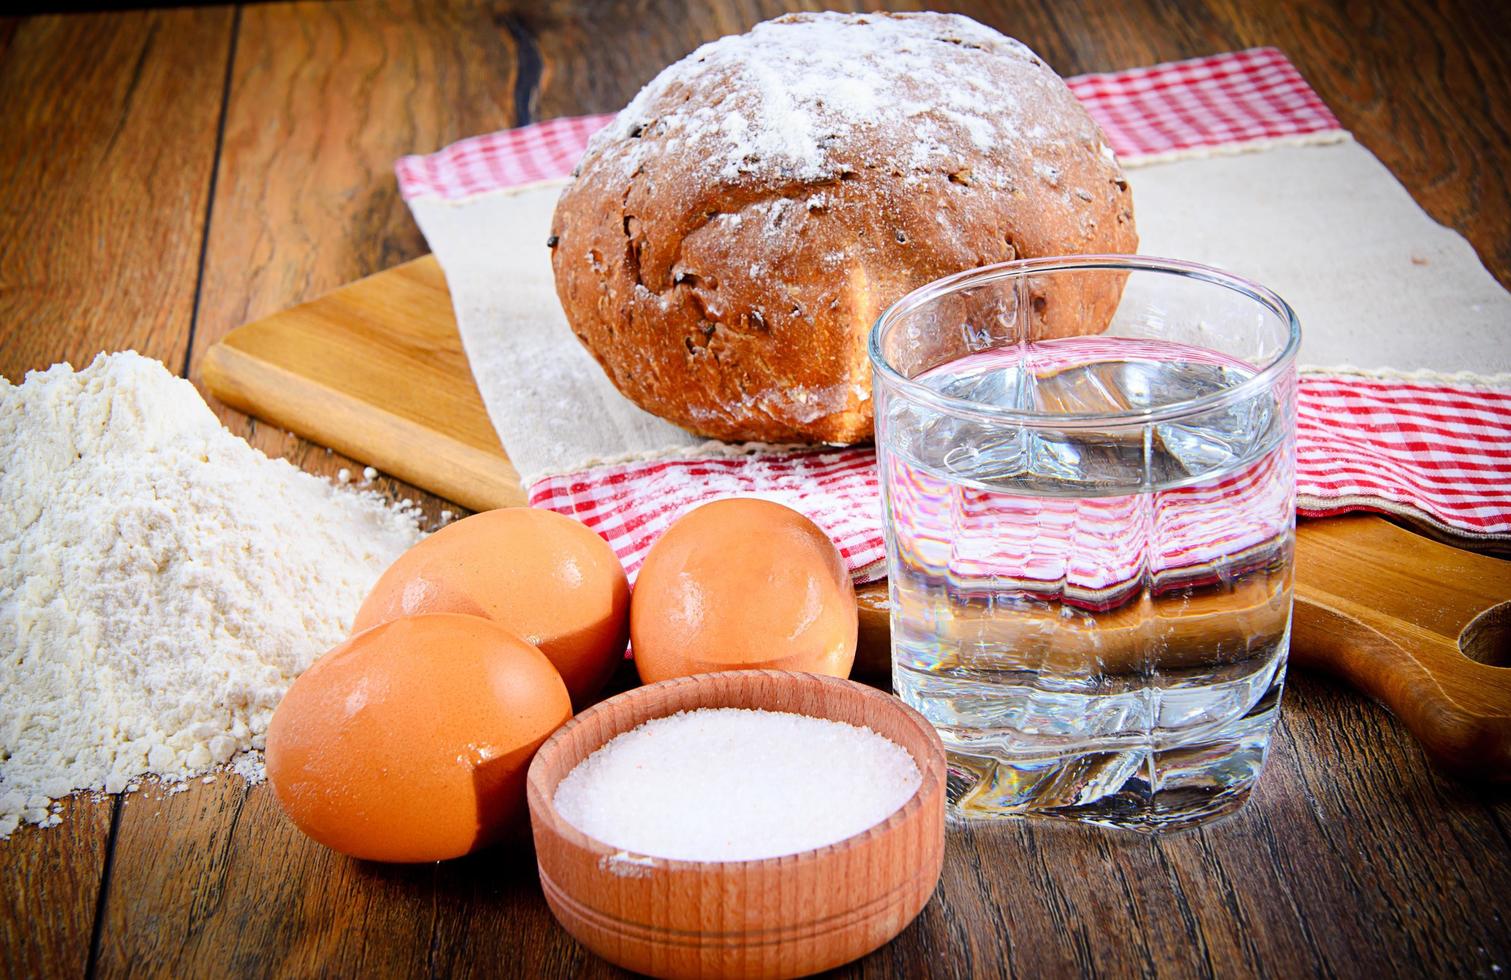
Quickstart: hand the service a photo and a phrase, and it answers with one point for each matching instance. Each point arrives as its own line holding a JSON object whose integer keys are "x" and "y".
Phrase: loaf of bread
{"x": 729, "y": 239}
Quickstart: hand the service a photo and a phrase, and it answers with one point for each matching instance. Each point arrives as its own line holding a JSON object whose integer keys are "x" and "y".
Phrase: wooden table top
{"x": 168, "y": 175}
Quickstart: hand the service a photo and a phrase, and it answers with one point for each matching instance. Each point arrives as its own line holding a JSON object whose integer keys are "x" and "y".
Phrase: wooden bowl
{"x": 777, "y": 917}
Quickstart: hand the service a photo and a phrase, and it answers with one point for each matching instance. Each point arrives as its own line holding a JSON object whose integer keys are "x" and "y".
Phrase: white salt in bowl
{"x": 773, "y": 917}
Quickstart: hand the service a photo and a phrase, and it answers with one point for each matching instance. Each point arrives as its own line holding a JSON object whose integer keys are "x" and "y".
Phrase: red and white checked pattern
{"x": 1437, "y": 452}
{"x": 1093, "y": 547}
{"x": 1239, "y": 97}
{"x": 493, "y": 161}
{"x": 629, "y": 505}
{"x": 1091, "y": 550}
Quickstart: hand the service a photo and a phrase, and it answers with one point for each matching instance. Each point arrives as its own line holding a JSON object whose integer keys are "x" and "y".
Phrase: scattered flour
{"x": 161, "y": 582}
{"x": 732, "y": 784}
{"x": 248, "y": 765}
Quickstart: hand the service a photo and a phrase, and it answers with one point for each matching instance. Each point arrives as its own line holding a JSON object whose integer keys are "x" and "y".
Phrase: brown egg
{"x": 410, "y": 741}
{"x": 739, "y": 584}
{"x": 546, "y": 577}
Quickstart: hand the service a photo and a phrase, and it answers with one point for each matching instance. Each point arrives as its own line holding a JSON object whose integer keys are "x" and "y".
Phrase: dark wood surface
{"x": 167, "y": 175}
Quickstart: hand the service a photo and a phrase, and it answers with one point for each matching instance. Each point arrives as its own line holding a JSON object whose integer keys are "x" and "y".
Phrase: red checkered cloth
{"x": 1437, "y": 453}
{"x": 1243, "y": 97}
{"x": 493, "y": 161}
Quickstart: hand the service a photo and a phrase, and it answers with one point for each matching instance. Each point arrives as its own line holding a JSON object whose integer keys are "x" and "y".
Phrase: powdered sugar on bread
{"x": 803, "y": 94}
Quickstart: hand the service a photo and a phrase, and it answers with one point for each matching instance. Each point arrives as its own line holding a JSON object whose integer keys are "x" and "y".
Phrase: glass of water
{"x": 1088, "y": 470}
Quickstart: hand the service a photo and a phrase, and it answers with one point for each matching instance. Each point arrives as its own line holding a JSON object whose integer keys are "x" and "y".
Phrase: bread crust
{"x": 726, "y": 274}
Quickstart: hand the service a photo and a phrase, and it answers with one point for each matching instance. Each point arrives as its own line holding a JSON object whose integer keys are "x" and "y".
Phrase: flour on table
{"x": 161, "y": 582}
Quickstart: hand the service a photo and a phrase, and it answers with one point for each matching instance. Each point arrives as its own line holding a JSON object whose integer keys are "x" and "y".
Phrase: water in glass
{"x": 1095, "y": 617}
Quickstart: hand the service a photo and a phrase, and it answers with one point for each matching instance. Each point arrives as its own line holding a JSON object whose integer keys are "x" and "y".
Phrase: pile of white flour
{"x": 161, "y": 582}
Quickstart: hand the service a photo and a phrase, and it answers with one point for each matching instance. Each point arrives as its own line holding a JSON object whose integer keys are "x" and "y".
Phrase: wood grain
{"x": 106, "y": 164}
{"x": 1353, "y": 858}
{"x": 375, "y": 370}
{"x": 323, "y": 98}
{"x": 103, "y": 161}
{"x": 777, "y": 917}
{"x": 1400, "y": 635}
{"x": 50, "y": 883}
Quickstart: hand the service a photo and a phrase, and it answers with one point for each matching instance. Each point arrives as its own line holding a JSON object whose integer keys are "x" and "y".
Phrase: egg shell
{"x": 410, "y": 741}
{"x": 546, "y": 577}
{"x": 743, "y": 583}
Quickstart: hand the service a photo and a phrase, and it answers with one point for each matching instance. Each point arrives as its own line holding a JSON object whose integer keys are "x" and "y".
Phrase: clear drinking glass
{"x": 1090, "y": 538}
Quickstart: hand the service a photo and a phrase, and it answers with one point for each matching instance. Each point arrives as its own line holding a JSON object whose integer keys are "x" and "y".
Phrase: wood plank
{"x": 106, "y": 163}
{"x": 323, "y": 98}
{"x": 50, "y": 882}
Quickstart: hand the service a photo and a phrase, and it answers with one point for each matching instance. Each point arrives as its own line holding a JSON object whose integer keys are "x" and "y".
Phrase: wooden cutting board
{"x": 376, "y": 370}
